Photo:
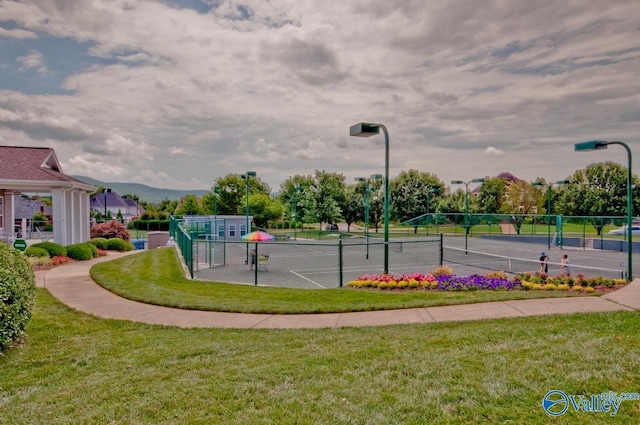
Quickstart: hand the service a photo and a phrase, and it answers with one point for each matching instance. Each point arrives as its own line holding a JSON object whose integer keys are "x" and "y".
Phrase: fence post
{"x": 255, "y": 264}
{"x": 340, "y": 259}
{"x": 441, "y": 249}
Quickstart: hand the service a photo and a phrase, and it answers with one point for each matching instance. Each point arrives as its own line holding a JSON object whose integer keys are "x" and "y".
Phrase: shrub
{"x": 52, "y": 248}
{"x": 34, "y": 251}
{"x": 442, "y": 271}
{"x": 497, "y": 275}
{"x": 118, "y": 244}
{"x": 17, "y": 293}
{"x": 100, "y": 243}
{"x": 109, "y": 230}
{"x": 80, "y": 252}
{"x": 40, "y": 262}
{"x": 93, "y": 248}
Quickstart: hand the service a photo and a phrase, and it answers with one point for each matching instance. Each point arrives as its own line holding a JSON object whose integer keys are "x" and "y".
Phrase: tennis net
{"x": 466, "y": 262}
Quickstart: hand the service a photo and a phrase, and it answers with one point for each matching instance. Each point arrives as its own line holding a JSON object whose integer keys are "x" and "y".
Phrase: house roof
{"x": 27, "y": 164}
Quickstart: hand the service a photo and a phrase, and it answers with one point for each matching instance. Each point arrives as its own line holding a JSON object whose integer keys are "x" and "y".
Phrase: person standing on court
{"x": 564, "y": 265}
{"x": 544, "y": 266}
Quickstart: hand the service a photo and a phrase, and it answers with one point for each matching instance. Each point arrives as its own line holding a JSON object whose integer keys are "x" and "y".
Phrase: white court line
{"x": 308, "y": 280}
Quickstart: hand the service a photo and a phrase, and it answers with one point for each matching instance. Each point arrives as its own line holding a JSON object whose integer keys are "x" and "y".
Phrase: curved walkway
{"x": 73, "y": 286}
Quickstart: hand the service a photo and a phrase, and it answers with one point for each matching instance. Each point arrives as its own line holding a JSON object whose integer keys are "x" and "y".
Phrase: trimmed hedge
{"x": 34, "y": 251}
{"x": 81, "y": 251}
{"x": 52, "y": 248}
{"x": 100, "y": 243}
{"x": 17, "y": 294}
{"x": 93, "y": 248}
{"x": 117, "y": 244}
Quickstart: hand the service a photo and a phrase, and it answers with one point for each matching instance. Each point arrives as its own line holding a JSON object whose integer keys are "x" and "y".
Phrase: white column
{"x": 9, "y": 214}
{"x": 58, "y": 208}
{"x": 83, "y": 216}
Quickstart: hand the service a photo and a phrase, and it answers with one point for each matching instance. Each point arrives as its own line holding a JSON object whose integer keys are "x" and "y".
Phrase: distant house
{"x": 26, "y": 170}
{"x": 111, "y": 201}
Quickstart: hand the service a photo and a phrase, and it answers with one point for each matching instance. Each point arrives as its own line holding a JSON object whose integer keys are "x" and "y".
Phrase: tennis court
{"x": 326, "y": 263}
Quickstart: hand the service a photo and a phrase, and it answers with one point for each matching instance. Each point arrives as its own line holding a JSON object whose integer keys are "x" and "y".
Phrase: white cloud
{"x": 491, "y": 151}
{"x": 34, "y": 60}
{"x": 17, "y": 33}
{"x": 273, "y": 86}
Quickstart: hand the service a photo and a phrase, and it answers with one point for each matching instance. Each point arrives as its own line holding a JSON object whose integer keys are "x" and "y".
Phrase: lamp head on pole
{"x": 364, "y": 129}
{"x": 591, "y": 146}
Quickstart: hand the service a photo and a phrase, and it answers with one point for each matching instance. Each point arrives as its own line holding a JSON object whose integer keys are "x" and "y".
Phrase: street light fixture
{"x": 549, "y": 186}
{"x": 466, "y": 206}
{"x": 364, "y": 129}
{"x": 601, "y": 144}
{"x": 246, "y": 176}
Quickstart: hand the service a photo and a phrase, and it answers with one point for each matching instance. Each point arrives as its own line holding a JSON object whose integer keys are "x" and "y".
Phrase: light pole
{"x": 466, "y": 206}
{"x": 216, "y": 192}
{"x": 246, "y": 176}
{"x": 429, "y": 192}
{"x": 367, "y": 203}
{"x": 601, "y": 144}
{"x": 105, "y": 191}
{"x": 549, "y": 186}
{"x": 295, "y": 211}
{"x": 364, "y": 129}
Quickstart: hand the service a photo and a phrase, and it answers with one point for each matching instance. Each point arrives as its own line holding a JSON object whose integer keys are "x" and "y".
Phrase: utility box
{"x": 157, "y": 239}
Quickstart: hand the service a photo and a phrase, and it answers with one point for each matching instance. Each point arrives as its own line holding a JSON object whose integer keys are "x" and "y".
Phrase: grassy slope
{"x": 74, "y": 368}
{"x": 156, "y": 277}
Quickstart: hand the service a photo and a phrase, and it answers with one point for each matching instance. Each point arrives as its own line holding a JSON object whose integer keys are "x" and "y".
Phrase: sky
{"x": 175, "y": 94}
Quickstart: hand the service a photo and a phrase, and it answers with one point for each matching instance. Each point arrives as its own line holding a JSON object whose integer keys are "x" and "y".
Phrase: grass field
{"x": 156, "y": 277}
{"x": 73, "y": 368}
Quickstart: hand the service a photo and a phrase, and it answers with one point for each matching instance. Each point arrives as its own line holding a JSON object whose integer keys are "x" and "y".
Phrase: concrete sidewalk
{"x": 73, "y": 286}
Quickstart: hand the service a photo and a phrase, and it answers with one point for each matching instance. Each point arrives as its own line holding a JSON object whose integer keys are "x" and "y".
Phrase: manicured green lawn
{"x": 77, "y": 369}
{"x": 156, "y": 277}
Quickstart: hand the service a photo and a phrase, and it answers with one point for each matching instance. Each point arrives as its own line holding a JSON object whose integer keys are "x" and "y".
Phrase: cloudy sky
{"x": 177, "y": 93}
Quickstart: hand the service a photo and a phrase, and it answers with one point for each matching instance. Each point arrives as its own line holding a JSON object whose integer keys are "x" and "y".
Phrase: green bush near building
{"x": 81, "y": 251}
{"x": 54, "y": 249}
{"x": 34, "y": 251}
{"x": 17, "y": 292}
{"x": 117, "y": 244}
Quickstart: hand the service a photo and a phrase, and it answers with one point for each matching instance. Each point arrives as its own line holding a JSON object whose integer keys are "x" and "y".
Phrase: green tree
{"x": 232, "y": 196}
{"x": 491, "y": 195}
{"x": 323, "y": 201}
{"x": 168, "y": 206}
{"x": 520, "y": 199}
{"x": 355, "y": 205}
{"x": 598, "y": 190}
{"x": 189, "y": 206}
{"x": 409, "y": 192}
{"x": 292, "y": 196}
{"x": 264, "y": 209}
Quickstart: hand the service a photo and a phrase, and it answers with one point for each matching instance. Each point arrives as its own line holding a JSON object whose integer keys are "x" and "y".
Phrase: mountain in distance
{"x": 146, "y": 193}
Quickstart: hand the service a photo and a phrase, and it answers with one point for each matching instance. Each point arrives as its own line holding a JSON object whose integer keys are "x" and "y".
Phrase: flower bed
{"x": 443, "y": 279}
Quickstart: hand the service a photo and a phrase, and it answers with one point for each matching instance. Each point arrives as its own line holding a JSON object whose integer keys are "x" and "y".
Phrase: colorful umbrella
{"x": 258, "y": 236}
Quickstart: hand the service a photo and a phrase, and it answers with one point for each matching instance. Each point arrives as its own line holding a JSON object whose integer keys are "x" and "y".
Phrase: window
{"x": 232, "y": 230}
{"x": 221, "y": 231}
{"x": 243, "y": 229}
{"x": 1, "y": 212}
